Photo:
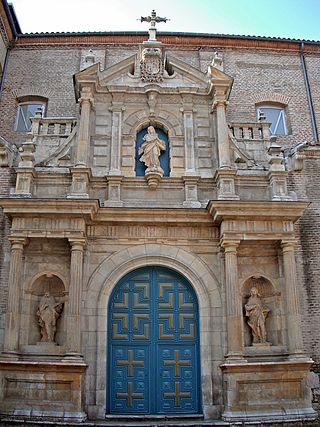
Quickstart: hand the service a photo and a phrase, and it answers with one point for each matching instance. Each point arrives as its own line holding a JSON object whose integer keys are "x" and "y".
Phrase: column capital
{"x": 230, "y": 245}
{"x": 220, "y": 103}
{"x": 86, "y": 99}
{"x": 288, "y": 245}
{"x": 77, "y": 244}
{"x": 17, "y": 242}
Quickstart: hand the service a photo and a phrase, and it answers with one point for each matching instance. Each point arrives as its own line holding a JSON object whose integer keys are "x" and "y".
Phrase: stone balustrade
{"x": 52, "y": 126}
{"x": 250, "y": 131}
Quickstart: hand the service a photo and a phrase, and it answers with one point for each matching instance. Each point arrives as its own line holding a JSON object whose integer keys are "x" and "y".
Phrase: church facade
{"x": 159, "y": 225}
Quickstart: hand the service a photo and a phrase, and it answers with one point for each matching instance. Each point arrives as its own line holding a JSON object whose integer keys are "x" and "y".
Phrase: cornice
{"x": 255, "y": 210}
{"x": 173, "y": 39}
{"x": 90, "y": 210}
{"x": 19, "y": 207}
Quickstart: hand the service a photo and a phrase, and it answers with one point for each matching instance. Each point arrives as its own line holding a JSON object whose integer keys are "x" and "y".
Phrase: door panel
{"x": 154, "y": 344}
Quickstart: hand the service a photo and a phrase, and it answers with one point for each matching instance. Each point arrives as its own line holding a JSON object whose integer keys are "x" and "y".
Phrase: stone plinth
{"x": 267, "y": 391}
{"x": 42, "y": 389}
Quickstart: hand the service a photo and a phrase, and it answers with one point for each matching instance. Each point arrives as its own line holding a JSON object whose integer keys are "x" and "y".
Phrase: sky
{"x": 299, "y": 19}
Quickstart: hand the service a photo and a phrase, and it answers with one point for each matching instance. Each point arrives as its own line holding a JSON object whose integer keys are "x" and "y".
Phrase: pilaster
{"x": 188, "y": 122}
{"x": 220, "y": 104}
{"x": 115, "y": 161}
{"x": 86, "y": 102}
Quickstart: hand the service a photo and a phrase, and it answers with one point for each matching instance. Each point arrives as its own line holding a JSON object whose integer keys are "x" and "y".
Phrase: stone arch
{"x": 205, "y": 285}
{"x": 271, "y": 98}
{"x": 271, "y": 298}
{"x": 141, "y": 119}
{"x": 29, "y": 90}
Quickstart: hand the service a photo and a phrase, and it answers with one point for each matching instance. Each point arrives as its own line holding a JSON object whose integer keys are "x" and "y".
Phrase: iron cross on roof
{"x": 153, "y": 19}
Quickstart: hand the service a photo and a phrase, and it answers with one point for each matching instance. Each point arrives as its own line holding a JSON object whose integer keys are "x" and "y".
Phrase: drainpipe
{"x": 4, "y": 71}
{"x": 310, "y": 103}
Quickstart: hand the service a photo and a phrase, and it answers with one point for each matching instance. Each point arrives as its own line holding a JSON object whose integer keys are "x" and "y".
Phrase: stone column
{"x": 12, "y": 317}
{"x": 74, "y": 301}
{"x": 222, "y": 133}
{"x": 86, "y": 102}
{"x": 115, "y": 161}
{"x": 295, "y": 344}
{"x": 233, "y": 301}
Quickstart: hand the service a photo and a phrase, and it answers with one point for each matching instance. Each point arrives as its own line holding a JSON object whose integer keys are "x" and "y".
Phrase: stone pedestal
{"x": 80, "y": 179}
{"x": 191, "y": 192}
{"x": 42, "y": 389}
{"x": 225, "y": 179}
{"x": 267, "y": 391}
{"x": 114, "y": 192}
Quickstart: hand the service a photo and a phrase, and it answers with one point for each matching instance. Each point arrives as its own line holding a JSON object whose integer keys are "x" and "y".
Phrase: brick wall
{"x": 46, "y": 72}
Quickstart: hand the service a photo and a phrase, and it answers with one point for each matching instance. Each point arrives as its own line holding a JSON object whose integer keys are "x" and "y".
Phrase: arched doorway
{"x": 153, "y": 338}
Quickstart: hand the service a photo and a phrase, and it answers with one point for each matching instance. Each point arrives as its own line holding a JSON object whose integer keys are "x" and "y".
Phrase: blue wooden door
{"x": 153, "y": 344}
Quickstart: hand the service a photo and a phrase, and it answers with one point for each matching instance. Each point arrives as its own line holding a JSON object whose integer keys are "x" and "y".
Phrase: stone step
{"x": 151, "y": 421}
{"x": 121, "y": 421}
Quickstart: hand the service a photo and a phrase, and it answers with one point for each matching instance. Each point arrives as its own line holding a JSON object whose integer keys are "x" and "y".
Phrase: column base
{"x": 10, "y": 355}
{"x": 73, "y": 357}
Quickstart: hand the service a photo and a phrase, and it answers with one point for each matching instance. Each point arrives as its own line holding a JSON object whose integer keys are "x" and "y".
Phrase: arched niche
{"x": 164, "y": 158}
{"x": 270, "y": 298}
{"x": 53, "y": 284}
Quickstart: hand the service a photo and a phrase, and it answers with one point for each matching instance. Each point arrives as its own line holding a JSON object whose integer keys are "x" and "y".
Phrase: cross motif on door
{"x": 177, "y": 363}
{"x": 130, "y": 363}
{"x": 130, "y": 395}
{"x": 177, "y": 394}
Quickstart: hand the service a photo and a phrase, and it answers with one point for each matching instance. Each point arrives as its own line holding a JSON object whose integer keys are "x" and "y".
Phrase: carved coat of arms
{"x": 151, "y": 65}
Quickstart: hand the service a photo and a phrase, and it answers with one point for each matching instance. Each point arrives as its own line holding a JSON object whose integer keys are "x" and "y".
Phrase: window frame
{"x": 38, "y": 102}
{"x": 282, "y": 114}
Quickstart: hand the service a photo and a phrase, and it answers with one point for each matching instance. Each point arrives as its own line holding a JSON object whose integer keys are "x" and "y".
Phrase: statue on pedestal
{"x": 151, "y": 150}
{"x": 257, "y": 314}
{"x": 48, "y": 313}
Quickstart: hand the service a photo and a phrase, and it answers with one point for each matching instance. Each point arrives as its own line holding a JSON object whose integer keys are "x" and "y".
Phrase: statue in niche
{"x": 151, "y": 150}
{"x": 257, "y": 313}
{"x": 48, "y": 313}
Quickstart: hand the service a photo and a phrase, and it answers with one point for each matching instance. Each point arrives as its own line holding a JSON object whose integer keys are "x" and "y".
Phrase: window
{"x": 26, "y": 111}
{"x": 276, "y": 116}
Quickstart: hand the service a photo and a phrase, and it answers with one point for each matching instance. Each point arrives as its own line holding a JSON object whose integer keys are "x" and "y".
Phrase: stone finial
{"x": 90, "y": 58}
{"x": 276, "y": 156}
{"x": 27, "y": 151}
{"x": 217, "y": 61}
{"x": 262, "y": 117}
{"x": 153, "y": 19}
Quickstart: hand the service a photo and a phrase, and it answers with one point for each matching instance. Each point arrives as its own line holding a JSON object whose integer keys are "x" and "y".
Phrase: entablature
{"x": 239, "y": 220}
